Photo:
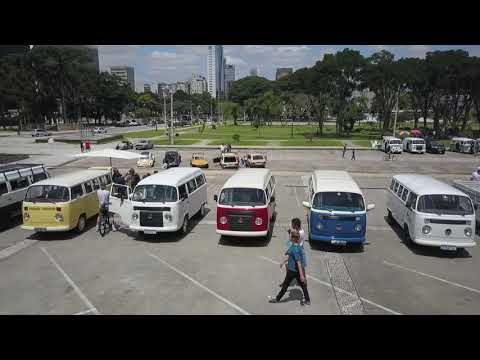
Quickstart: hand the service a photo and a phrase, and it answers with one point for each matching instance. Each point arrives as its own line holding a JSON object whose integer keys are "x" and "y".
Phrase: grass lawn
{"x": 241, "y": 143}
{"x": 144, "y": 134}
{"x": 305, "y": 142}
{"x": 362, "y": 143}
{"x": 177, "y": 142}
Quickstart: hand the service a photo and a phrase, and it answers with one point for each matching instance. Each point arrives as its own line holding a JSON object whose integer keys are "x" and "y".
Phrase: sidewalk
{"x": 245, "y": 147}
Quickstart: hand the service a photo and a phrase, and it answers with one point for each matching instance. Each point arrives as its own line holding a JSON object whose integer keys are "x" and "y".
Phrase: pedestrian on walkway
{"x": 296, "y": 225}
{"x": 81, "y": 146}
{"x": 295, "y": 269}
{"x": 353, "y": 154}
{"x": 344, "y": 150}
{"x": 87, "y": 145}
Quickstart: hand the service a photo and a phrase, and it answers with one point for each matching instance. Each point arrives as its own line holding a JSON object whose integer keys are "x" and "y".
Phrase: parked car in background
{"x": 144, "y": 145}
{"x": 229, "y": 160}
{"x": 147, "y": 159}
{"x": 124, "y": 145}
{"x": 133, "y": 123}
{"x": 434, "y": 147}
{"x": 199, "y": 160}
{"x": 172, "y": 159}
{"x": 40, "y": 132}
{"x": 99, "y": 130}
{"x": 256, "y": 160}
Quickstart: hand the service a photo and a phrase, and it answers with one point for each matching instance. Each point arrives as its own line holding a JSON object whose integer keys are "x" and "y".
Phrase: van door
{"x": 183, "y": 203}
{"x": 120, "y": 202}
{"x": 409, "y": 213}
{"x": 193, "y": 198}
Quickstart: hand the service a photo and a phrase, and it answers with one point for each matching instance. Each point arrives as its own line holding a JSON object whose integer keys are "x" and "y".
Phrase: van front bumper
{"x": 242, "y": 233}
{"x": 330, "y": 240}
{"x": 172, "y": 228}
{"x": 441, "y": 241}
{"x": 46, "y": 229}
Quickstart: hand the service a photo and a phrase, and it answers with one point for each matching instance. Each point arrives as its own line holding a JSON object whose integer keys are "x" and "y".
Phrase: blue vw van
{"x": 336, "y": 208}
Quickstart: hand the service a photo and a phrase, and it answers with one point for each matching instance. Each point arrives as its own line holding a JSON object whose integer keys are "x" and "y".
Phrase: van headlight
{"x": 168, "y": 216}
{"x": 134, "y": 217}
{"x": 426, "y": 229}
{"x": 59, "y": 217}
{"x": 26, "y": 216}
{"x": 223, "y": 220}
{"x": 358, "y": 227}
{"x": 258, "y": 221}
{"x": 319, "y": 226}
{"x": 468, "y": 231}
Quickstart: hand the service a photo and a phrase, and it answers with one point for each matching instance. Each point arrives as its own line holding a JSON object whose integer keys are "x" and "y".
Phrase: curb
{"x": 210, "y": 147}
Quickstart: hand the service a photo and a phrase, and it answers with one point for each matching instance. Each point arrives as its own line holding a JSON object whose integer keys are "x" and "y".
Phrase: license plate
{"x": 40, "y": 229}
{"x": 338, "y": 242}
{"x": 149, "y": 232}
{"x": 448, "y": 248}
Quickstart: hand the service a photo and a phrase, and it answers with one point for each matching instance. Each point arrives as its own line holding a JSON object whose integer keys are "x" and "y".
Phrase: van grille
{"x": 448, "y": 222}
{"x": 151, "y": 218}
{"x": 151, "y": 208}
{"x": 240, "y": 220}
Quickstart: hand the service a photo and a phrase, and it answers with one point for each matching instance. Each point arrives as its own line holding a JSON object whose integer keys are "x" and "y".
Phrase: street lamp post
{"x": 171, "y": 118}
{"x": 165, "y": 112}
{"x": 396, "y": 112}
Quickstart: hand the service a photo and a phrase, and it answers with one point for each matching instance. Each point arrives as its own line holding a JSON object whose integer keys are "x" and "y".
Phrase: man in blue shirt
{"x": 296, "y": 264}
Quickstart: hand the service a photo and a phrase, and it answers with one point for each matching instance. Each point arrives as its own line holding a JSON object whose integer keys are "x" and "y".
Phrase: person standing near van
{"x": 296, "y": 264}
{"x": 103, "y": 206}
{"x": 353, "y": 154}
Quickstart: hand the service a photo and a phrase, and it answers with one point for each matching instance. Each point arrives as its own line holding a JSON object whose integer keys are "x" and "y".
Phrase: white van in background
{"x": 163, "y": 202}
{"x": 392, "y": 143}
{"x": 414, "y": 145}
{"x": 462, "y": 145}
{"x": 431, "y": 212}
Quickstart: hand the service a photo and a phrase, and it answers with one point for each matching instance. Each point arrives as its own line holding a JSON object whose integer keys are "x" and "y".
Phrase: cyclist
{"x": 103, "y": 200}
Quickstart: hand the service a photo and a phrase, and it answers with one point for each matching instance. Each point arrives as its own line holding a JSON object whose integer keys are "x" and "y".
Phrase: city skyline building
{"x": 147, "y": 88}
{"x": 197, "y": 84}
{"x": 216, "y": 71}
{"x": 229, "y": 77}
{"x": 282, "y": 72}
{"x": 254, "y": 71}
{"x": 125, "y": 73}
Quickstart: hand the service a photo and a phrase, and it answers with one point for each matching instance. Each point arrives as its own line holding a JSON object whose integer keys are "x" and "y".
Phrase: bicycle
{"x": 104, "y": 222}
{"x": 390, "y": 157}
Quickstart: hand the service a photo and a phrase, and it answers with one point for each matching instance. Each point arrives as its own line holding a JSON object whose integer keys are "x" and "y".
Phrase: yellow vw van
{"x": 64, "y": 202}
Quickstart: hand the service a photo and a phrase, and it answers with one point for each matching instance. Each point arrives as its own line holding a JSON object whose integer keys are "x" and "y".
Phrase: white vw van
{"x": 414, "y": 145}
{"x": 392, "y": 143}
{"x": 431, "y": 212}
{"x": 462, "y": 145}
{"x": 163, "y": 202}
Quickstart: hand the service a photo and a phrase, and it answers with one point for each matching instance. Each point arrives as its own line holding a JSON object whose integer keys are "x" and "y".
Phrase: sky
{"x": 156, "y": 63}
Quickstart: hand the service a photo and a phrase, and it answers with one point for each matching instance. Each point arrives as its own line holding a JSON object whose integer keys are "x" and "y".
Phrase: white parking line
{"x": 9, "y": 251}
{"x": 221, "y": 298}
{"x": 339, "y": 289}
{"x": 84, "y": 312}
{"x": 433, "y": 277}
{"x": 72, "y": 284}
{"x": 296, "y": 196}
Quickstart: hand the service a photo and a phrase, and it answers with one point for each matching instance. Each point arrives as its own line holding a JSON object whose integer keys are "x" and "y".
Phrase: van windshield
{"x": 418, "y": 142}
{"x": 395, "y": 142}
{"x": 47, "y": 193}
{"x": 155, "y": 193}
{"x": 229, "y": 159}
{"x": 257, "y": 157}
{"x": 445, "y": 205}
{"x": 345, "y": 201}
{"x": 242, "y": 196}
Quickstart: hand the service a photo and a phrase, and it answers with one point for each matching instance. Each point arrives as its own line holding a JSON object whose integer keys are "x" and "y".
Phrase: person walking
{"x": 344, "y": 150}
{"x": 87, "y": 145}
{"x": 476, "y": 175}
{"x": 81, "y": 146}
{"x": 295, "y": 269}
{"x": 296, "y": 225}
{"x": 103, "y": 202}
{"x": 353, "y": 154}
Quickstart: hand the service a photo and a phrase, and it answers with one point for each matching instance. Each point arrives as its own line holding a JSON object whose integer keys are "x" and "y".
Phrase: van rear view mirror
{"x": 215, "y": 198}
{"x": 306, "y": 204}
{"x": 370, "y": 207}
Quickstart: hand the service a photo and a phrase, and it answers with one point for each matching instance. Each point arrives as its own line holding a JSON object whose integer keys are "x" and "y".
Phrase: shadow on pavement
{"x": 427, "y": 250}
{"x": 248, "y": 241}
{"x": 67, "y": 235}
{"x": 293, "y": 295}
{"x": 347, "y": 249}
{"x": 11, "y": 223}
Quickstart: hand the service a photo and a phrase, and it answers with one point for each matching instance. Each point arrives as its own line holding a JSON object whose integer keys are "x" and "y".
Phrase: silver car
{"x": 143, "y": 145}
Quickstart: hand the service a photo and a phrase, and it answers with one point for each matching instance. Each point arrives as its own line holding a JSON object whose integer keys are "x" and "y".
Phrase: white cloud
{"x": 417, "y": 50}
{"x": 235, "y": 60}
{"x": 379, "y": 47}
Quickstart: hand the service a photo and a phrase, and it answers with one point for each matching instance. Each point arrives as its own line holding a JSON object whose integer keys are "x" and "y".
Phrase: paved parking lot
{"x": 124, "y": 273}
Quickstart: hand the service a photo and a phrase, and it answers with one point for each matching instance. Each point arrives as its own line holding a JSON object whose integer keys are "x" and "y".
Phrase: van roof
{"x": 413, "y": 138}
{"x": 333, "y": 181}
{"x": 248, "y": 178}
{"x": 461, "y": 139}
{"x": 423, "y": 185}
{"x": 73, "y": 178}
{"x": 171, "y": 177}
{"x": 14, "y": 167}
{"x": 390, "y": 138}
{"x": 229, "y": 154}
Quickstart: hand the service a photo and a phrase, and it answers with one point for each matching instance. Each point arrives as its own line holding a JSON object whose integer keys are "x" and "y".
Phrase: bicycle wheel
{"x": 103, "y": 226}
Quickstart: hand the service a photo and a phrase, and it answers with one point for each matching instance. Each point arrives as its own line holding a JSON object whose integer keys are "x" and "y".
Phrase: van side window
{"x": 19, "y": 183}
{"x": 38, "y": 177}
{"x": 96, "y": 184}
{"x": 3, "y": 188}
{"x": 77, "y": 191}
{"x": 191, "y": 186}
{"x": 200, "y": 180}
{"x": 267, "y": 192}
{"x": 392, "y": 184}
{"x": 404, "y": 194}
{"x": 412, "y": 200}
{"x": 88, "y": 187}
{"x": 109, "y": 179}
{"x": 400, "y": 190}
{"x": 182, "y": 190}
{"x": 396, "y": 187}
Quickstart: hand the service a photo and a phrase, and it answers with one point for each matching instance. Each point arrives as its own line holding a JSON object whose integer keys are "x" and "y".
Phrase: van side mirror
{"x": 306, "y": 204}
{"x": 475, "y": 206}
{"x": 370, "y": 207}
{"x": 215, "y": 198}
{"x": 272, "y": 199}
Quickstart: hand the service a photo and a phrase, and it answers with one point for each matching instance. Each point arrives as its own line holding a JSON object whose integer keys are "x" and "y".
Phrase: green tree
{"x": 249, "y": 87}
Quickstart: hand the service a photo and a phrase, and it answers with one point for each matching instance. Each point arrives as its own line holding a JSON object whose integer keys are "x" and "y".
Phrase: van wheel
{"x": 82, "y": 222}
{"x": 389, "y": 217}
{"x": 184, "y": 229}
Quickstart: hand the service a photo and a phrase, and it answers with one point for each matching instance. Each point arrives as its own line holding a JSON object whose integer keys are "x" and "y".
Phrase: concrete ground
{"x": 124, "y": 273}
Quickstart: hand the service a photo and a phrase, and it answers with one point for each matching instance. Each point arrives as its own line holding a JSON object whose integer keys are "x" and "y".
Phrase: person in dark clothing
{"x": 353, "y": 154}
{"x": 81, "y": 146}
{"x": 117, "y": 177}
{"x": 344, "y": 150}
{"x": 295, "y": 270}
